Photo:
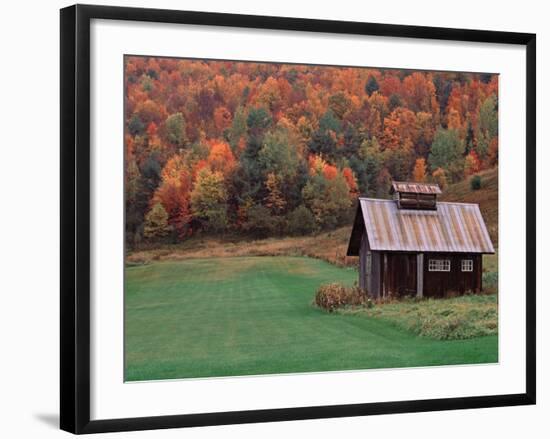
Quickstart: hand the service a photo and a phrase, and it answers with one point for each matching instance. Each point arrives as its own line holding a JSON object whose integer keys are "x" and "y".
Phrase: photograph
{"x": 294, "y": 218}
{"x": 270, "y": 220}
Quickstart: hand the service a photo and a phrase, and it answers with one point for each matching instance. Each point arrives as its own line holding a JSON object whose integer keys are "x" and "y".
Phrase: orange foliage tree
{"x": 419, "y": 171}
{"x": 251, "y": 137}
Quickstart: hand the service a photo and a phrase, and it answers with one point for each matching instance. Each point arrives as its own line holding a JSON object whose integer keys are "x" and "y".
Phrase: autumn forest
{"x": 264, "y": 149}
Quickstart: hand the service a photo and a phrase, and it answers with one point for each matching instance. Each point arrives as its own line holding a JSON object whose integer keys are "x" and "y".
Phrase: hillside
{"x": 486, "y": 197}
{"x": 219, "y": 147}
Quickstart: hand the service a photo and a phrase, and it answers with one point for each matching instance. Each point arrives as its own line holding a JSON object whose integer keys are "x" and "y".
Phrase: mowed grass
{"x": 254, "y": 315}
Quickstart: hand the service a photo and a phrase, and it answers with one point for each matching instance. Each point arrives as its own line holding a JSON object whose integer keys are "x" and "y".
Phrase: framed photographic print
{"x": 267, "y": 218}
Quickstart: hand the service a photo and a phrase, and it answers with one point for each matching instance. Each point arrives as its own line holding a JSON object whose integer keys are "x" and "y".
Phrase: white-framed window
{"x": 439, "y": 265}
{"x": 467, "y": 265}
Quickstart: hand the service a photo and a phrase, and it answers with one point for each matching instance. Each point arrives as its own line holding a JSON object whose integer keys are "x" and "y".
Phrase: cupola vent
{"x": 412, "y": 195}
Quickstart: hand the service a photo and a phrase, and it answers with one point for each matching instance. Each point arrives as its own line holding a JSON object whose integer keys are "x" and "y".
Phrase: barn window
{"x": 439, "y": 265}
{"x": 467, "y": 265}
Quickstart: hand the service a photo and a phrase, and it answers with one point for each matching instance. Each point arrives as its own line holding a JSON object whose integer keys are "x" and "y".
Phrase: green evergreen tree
{"x": 278, "y": 156}
{"x": 373, "y": 160}
{"x": 329, "y": 122}
{"x": 488, "y": 117}
{"x": 249, "y": 178}
{"x": 238, "y": 128}
{"x": 135, "y": 125}
{"x": 394, "y": 101}
{"x": 258, "y": 121}
{"x": 175, "y": 129}
{"x": 447, "y": 152}
{"x": 372, "y": 85}
{"x": 134, "y": 212}
{"x": 488, "y": 125}
{"x": 323, "y": 141}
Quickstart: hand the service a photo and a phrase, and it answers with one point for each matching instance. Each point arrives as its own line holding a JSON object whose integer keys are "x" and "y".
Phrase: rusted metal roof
{"x": 453, "y": 227}
{"x": 415, "y": 188}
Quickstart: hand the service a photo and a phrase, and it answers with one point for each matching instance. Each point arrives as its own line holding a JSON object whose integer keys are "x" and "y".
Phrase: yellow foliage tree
{"x": 440, "y": 177}
{"x": 419, "y": 171}
{"x": 274, "y": 199}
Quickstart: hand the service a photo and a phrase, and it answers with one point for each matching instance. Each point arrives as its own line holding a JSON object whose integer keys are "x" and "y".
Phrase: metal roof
{"x": 415, "y": 188}
{"x": 453, "y": 228}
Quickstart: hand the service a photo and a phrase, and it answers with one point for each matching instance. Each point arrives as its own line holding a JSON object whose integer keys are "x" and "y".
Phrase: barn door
{"x": 401, "y": 274}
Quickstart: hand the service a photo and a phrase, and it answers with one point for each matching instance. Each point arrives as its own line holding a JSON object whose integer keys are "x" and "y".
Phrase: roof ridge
{"x": 424, "y": 183}
{"x": 439, "y": 202}
{"x": 458, "y": 202}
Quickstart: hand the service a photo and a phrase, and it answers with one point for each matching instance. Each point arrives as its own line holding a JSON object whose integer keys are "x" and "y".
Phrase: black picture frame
{"x": 75, "y": 217}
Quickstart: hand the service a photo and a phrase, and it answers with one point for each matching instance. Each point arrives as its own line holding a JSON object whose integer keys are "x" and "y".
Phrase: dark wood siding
{"x": 441, "y": 283}
{"x": 408, "y": 200}
{"x": 398, "y": 272}
{"x": 369, "y": 268}
{"x": 375, "y": 275}
{"x": 364, "y": 275}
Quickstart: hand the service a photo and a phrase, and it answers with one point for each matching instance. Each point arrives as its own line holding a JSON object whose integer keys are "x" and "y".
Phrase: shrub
{"x": 490, "y": 281}
{"x": 260, "y": 222}
{"x": 301, "y": 221}
{"x": 334, "y": 295}
{"x": 475, "y": 183}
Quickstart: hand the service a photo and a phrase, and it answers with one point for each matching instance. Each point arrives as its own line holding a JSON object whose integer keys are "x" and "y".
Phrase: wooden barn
{"x": 416, "y": 245}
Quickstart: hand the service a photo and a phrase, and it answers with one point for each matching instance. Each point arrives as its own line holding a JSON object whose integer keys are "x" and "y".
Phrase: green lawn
{"x": 253, "y": 315}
